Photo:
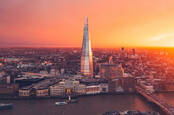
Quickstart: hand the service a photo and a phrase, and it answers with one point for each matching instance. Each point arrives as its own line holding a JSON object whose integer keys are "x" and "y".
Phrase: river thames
{"x": 89, "y": 105}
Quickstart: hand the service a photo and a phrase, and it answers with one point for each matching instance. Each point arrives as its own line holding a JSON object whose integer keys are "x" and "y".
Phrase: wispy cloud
{"x": 162, "y": 37}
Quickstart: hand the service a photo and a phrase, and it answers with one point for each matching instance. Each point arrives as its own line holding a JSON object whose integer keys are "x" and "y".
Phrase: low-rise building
{"x": 42, "y": 92}
{"x": 8, "y": 89}
{"x": 63, "y": 87}
{"x": 25, "y": 91}
{"x": 104, "y": 88}
{"x": 92, "y": 89}
{"x": 57, "y": 90}
{"x": 128, "y": 84}
{"x": 80, "y": 89}
{"x": 39, "y": 89}
{"x": 115, "y": 85}
{"x": 42, "y": 88}
{"x": 111, "y": 71}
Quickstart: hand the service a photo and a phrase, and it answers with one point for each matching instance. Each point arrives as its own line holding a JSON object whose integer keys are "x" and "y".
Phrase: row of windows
{"x": 24, "y": 93}
{"x": 93, "y": 89}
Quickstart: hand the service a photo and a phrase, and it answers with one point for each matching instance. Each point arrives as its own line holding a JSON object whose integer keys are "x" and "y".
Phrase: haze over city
{"x": 86, "y": 57}
{"x": 114, "y": 23}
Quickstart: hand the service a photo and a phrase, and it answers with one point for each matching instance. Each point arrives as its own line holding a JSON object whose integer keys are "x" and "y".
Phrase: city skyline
{"x": 112, "y": 24}
{"x": 54, "y": 61}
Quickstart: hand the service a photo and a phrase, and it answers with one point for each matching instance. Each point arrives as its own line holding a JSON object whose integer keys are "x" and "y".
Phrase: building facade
{"x": 57, "y": 90}
{"x": 111, "y": 71}
{"x": 92, "y": 89}
{"x": 25, "y": 91}
{"x": 104, "y": 88}
{"x": 80, "y": 89}
{"x": 8, "y": 89}
{"x": 42, "y": 92}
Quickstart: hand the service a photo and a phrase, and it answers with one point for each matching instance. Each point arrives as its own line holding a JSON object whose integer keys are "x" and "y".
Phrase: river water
{"x": 168, "y": 97}
{"x": 89, "y": 105}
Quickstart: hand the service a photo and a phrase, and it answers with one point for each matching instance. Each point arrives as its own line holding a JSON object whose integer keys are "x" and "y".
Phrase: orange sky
{"x": 112, "y": 23}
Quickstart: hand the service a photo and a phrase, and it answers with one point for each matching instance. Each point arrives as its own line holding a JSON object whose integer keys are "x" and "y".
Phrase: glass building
{"x": 86, "y": 57}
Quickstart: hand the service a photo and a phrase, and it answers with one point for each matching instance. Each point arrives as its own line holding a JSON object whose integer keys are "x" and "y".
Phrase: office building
{"x": 86, "y": 57}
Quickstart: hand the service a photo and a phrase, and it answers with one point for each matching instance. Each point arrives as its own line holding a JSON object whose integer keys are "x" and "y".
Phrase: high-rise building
{"x": 133, "y": 51}
{"x": 86, "y": 57}
{"x": 110, "y": 60}
{"x": 111, "y": 71}
{"x": 122, "y": 49}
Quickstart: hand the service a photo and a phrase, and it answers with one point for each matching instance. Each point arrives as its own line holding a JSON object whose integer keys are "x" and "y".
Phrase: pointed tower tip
{"x": 86, "y": 20}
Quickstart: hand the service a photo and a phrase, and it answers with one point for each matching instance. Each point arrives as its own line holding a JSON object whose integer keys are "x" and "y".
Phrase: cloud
{"x": 162, "y": 37}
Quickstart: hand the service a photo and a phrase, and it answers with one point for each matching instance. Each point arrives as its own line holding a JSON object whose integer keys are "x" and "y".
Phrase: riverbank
{"x": 5, "y": 97}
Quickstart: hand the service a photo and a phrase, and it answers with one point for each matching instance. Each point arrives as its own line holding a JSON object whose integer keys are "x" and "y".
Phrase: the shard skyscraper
{"x": 86, "y": 57}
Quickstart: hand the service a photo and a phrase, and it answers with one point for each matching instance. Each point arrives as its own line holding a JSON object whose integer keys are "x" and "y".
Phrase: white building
{"x": 80, "y": 89}
{"x": 42, "y": 92}
{"x": 61, "y": 87}
{"x": 57, "y": 89}
{"x": 92, "y": 89}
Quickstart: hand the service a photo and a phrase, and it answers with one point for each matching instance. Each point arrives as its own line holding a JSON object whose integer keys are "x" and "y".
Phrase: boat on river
{"x": 61, "y": 103}
{"x": 69, "y": 101}
{"x": 6, "y": 106}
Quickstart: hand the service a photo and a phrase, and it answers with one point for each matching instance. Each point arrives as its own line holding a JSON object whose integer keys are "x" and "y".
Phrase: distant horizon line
{"x": 92, "y": 48}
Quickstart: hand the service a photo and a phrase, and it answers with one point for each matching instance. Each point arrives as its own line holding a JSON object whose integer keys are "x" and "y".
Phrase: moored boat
{"x": 61, "y": 103}
{"x": 6, "y": 106}
{"x": 69, "y": 101}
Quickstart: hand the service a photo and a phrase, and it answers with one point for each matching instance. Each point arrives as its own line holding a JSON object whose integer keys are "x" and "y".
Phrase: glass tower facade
{"x": 86, "y": 57}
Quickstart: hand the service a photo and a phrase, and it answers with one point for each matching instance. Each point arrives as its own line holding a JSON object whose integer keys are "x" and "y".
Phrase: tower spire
{"x": 86, "y": 20}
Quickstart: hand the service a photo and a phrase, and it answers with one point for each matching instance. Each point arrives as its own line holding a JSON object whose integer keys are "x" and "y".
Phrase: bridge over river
{"x": 165, "y": 107}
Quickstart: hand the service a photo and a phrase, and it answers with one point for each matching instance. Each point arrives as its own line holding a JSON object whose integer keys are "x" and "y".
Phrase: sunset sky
{"x": 112, "y": 23}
